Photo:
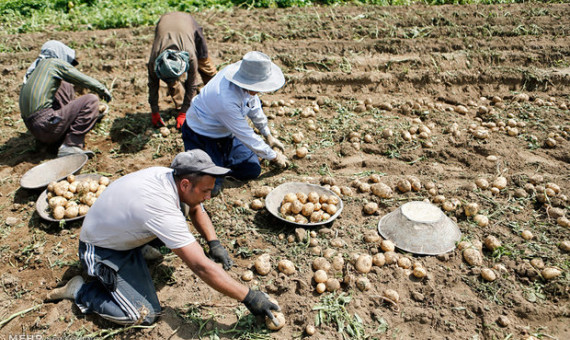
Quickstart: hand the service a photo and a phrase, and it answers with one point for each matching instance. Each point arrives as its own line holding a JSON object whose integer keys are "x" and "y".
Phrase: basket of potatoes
{"x": 70, "y": 198}
{"x": 303, "y": 204}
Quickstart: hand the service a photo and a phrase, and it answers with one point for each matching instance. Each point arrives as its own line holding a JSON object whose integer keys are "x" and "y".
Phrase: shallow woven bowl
{"x": 56, "y": 169}
{"x": 42, "y": 204}
{"x": 420, "y": 228}
{"x": 275, "y": 197}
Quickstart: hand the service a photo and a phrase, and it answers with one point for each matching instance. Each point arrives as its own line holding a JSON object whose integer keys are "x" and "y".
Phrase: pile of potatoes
{"x": 308, "y": 208}
{"x": 70, "y": 197}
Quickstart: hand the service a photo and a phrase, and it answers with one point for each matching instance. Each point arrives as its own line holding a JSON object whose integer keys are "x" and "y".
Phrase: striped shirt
{"x": 38, "y": 92}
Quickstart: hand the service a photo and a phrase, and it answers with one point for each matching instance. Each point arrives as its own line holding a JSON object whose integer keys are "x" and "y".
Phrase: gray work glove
{"x": 219, "y": 254}
{"x": 258, "y": 304}
{"x": 274, "y": 143}
{"x": 281, "y": 160}
{"x": 106, "y": 95}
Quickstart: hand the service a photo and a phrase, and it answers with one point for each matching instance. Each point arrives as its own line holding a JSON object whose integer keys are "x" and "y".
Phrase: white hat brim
{"x": 273, "y": 83}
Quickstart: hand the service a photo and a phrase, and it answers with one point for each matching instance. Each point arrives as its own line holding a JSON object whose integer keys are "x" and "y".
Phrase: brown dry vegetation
{"x": 369, "y": 69}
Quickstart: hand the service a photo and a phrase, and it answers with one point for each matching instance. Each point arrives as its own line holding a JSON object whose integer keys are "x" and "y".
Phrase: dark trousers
{"x": 68, "y": 119}
{"x": 228, "y": 152}
{"x": 123, "y": 291}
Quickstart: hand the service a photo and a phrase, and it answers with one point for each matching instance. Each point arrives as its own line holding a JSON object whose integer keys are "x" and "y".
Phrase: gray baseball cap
{"x": 196, "y": 161}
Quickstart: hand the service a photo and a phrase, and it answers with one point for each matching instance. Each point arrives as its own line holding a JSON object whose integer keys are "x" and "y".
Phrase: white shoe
{"x": 65, "y": 150}
{"x": 150, "y": 253}
{"x": 69, "y": 291}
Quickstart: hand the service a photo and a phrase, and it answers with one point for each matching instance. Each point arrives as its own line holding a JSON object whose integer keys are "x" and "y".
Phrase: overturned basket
{"x": 53, "y": 170}
{"x": 275, "y": 197}
{"x": 420, "y": 228}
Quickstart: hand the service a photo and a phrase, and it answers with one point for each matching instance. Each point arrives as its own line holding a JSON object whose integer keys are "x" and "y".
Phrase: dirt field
{"x": 491, "y": 83}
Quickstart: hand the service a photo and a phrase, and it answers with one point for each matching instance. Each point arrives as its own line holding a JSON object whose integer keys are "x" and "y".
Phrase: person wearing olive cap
{"x": 47, "y": 100}
{"x": 179, "y": 47}
{"x": 216, "y": 121}
{"x": 135, "y": 210}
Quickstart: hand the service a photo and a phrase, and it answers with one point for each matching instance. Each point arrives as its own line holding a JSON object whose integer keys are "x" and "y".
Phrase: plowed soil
{"x": 491, "y": 83}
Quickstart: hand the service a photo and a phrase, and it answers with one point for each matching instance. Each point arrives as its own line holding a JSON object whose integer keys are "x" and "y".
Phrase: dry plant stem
{"x": 15, "y": 315}
{"x": 117, "y": 331}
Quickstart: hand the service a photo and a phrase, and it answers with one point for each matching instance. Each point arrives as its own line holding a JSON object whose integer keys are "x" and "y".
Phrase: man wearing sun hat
{"x": 216, "y": 120}
{"x": 179, "y": 47}
{"x": 143, "y": 207}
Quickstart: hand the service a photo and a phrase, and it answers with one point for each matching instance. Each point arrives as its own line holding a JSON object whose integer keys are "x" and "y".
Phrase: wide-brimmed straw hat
{"x": 256, "y": 72}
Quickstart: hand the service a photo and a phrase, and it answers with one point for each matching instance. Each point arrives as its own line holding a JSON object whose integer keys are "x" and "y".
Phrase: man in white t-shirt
{"x": 135, "y": 210}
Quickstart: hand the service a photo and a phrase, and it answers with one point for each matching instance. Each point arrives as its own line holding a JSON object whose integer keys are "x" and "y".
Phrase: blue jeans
{"x": 228, "y": 152}
{"x": 123, "y": 291}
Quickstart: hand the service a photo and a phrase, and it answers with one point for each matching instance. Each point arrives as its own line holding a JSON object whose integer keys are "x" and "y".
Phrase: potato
{"x": 316, "y": 217}
{"x": 71, "y": 178}
{"x": 280, "y": 318}
{"x": 328, "y": 180}
{"x": 363, "y": 284}
{"x": 83, "y": 209}
{"x": 346, "y": 191}
{"x": 320, "y": 276}
{"x": 381, "y": 190}
{"x": 290, "y": 197}
{"x": 473, "y": 257}
{"x": 332, "y": 285}
{"x": 263, "y": 264}
{"x": 404, "y": 185}
{"x": 256, "y": 204}
{"x": 296, "y": 206}
{"x": 378, "y": 259}
{"x": 93, "y": 186}
{"x": 488, "y": 274}
{"x": 302, "y": 197}
{"x": 374, "y": 178}
{"x": 550, "y": 273}
{"x": 313, "y": 197}
{"x": 481, "y": 220}
{"x": 58, "y": 212}
{"x": 363, "y": 264}
{"x": 301, "y": 152}
{"x": 387, "y": 245}
{"x": 391, "y": 257}
{"x": 104, "y": 180}
{"x": 323, "y": 198}
{"x": 321, "y": 288}
{"x": 565, "y": 246}
{"x": 262, "y": 192}
{"x": 301, "y": 219}
{"x": 392, "y": 295}
{"x": 73, "y": 187}
{"x": 404, "y": 262}
{"x": 297, "y": 137}
{"x": 285, "y": 209}
{"x": 337, "y": 191}
{"x": 370, "y": 208}
{"x": 308, "y": 209}
{"x": 482, "y": 183}
{"x": 500, "y": 183}
{"x": 310, "y": 330}
{"x": 55, "y": 201}
{"x": 337, "y": 263}
{"x": 491, "y": 242}
{"x": 321, "y": 263}
{"x": 286, "y": 267}
{"x": 51, "y": 186}
{"x": 419, "y": 272}
{"x": 527, "y": 235}
{"x": 471, "y": 209}
{"x": 331, "y": 209}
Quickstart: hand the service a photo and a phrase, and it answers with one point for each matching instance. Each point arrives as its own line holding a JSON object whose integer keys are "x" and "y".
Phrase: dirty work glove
{"x": 180, "y": 119}
{"x": 219, "y": 254}
{"x": 274, "y": 143}
{"x": 106, "y": 95}
{"x": 157, "y": 120}
{"x": 281, "y": 160}
{"x": 258, "y": 304}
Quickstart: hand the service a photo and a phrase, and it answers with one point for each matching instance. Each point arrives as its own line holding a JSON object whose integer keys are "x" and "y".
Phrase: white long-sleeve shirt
{"x": 219, "y": 110}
